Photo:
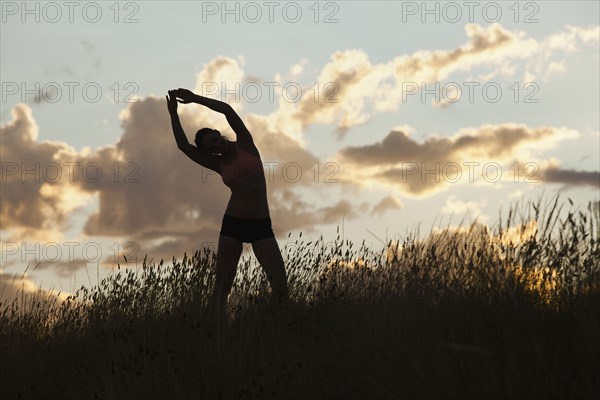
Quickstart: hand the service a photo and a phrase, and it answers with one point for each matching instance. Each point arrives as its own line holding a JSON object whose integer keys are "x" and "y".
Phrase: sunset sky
{"x": 392, "y": 116}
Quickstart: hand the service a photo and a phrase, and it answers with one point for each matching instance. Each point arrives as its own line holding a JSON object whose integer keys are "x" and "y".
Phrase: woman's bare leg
{"x": 269, "y": 256}
{"x": 228, "y": 256}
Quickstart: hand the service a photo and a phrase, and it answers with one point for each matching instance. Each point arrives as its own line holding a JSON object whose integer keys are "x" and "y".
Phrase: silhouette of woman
{"x": 247, "y": 216}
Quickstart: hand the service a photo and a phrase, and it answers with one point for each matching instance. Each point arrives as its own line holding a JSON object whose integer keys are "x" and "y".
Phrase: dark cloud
{"x": 163, "y": 183}
{"x": 570, "y": 177}
{"x": 489, "y": 141}
{"x": 403, "y": 162}
{"x": 385, "y": 204}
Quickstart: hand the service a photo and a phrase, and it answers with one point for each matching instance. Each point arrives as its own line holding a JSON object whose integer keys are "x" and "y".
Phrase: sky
{"x": 372, "y": 118}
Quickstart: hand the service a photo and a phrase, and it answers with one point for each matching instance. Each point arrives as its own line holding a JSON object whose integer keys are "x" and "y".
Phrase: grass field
{"x": 507, "y": 312}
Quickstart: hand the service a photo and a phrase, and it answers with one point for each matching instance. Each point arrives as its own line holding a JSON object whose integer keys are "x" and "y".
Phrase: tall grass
{"x": 511, "y": 311}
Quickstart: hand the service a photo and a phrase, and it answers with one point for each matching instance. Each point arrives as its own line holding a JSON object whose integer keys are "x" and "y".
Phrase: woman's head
{"x": 211, "y": 140}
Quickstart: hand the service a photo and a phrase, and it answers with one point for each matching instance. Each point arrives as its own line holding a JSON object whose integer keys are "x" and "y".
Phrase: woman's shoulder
{"x": 248, "y": 148}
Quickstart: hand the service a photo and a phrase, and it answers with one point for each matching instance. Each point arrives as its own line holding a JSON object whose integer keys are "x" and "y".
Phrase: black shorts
{"x": 246, "y": 229}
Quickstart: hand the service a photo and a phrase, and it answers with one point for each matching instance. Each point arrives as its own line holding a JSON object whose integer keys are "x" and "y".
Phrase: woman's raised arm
{"x": 233, "y": 118}
{"x": 210, "y": 161}
{"x": 180, "y": 137}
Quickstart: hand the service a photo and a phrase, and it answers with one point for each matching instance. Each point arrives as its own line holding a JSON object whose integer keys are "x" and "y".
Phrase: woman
{"x": 247, "y": 216}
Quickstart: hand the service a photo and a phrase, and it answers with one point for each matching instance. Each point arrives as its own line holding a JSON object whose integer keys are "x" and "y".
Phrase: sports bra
{"x": 243, "y": 165}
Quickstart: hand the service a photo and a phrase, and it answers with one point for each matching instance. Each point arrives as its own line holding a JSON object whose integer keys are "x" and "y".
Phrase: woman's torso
{"x": 248, "y": 195}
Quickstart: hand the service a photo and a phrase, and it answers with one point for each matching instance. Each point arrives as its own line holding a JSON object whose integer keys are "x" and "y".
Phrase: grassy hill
{"x": 507, "y": 312}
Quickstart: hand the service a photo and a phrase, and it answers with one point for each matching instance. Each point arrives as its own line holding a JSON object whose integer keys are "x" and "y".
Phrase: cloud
{"x": 355, "y": 82}
{"x": 36, "y": 197}
{"x": 567, "y": 42}
{"x": 148, "y": 191}
{"x": 293, "y": 213}
{"x": 163, "y": 184}
{"x": 344, "y": 84}
{"x": 555, "y": 68}
{"x": 352, "y": 89}
{"x": 221, "y": 78}
{"x": 570, "y": 177}
{"x": 287, "y": 159}
{"x": 423, "y": 168}
{"x": 21, "y": 291}
{"x": 517, "y": 194}
{"x": 387, "y": 203}
{"x": 297, "y": 69}
{"x": 471, "y": 209}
